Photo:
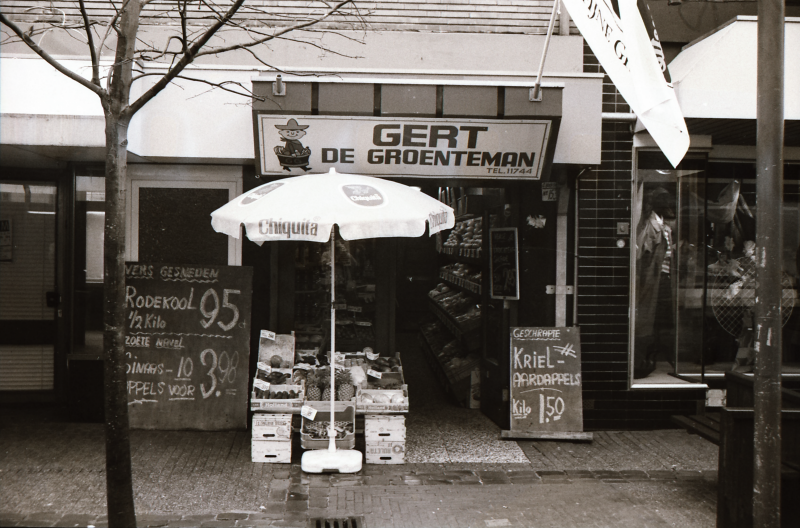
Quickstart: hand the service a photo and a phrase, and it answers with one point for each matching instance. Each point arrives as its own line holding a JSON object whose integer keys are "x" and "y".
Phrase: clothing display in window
{"x": 655, "y": 324}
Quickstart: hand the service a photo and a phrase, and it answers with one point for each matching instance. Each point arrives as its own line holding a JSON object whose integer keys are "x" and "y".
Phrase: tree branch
{"x": 221, "y": 85}
{"x": 50, "y": 60}
{"x": 185, "y": 40}
{"x": 187, "y": 58}
{"x": 278, "y": 33}
{"x": 90, "y": 39}
{"x": 111, "y": 25}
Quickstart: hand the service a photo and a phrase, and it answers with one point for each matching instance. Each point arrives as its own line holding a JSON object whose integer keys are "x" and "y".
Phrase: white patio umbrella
{"x": 306, "y": 208}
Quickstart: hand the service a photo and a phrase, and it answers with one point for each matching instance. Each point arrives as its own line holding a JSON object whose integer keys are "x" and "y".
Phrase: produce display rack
{"x": 456, "y": 381}
{"x": 466, "y": 255}
{"x": 460, "y": 282}
{"x": 465, "y": 332}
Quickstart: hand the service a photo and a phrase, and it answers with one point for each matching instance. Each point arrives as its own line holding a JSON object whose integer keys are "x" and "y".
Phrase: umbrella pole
{"x": 331, "y": 430}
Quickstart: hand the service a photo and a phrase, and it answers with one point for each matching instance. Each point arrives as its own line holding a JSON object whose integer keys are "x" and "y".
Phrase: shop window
{"x": 27, "y": 284}
{"x": 694, "y": 271}
{"x": 170, "y": 214}
{"x": 355, "y": 288}
{"x": 90, "y": 217}
{"x": 175, "y": 226}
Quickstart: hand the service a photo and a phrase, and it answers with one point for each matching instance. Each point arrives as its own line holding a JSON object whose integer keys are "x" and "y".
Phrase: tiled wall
{"x": 604, "y": 199}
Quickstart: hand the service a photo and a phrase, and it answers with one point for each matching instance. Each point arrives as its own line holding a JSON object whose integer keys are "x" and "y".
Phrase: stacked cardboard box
{"x": 344, "y": 415}
{"x": 385, "y": 438}
{"x": 272, "y": 438}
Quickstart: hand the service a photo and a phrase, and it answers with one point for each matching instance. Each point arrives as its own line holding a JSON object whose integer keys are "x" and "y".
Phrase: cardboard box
{"x": 279, "y": 406}
{"x": 386, "y": 453}
{"x": 374, "y": 401}
{"x": 380, "y": 428}
{"x": 282, "y": 346}
{"x": 276, "y": 427}
{"x": 345, "y": 413}
{"x": 276, "y": 452}
{"x": 475, "y": 389}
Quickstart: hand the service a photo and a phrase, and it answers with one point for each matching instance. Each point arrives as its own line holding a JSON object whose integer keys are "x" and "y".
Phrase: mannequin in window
{"x": 655, "y": 255}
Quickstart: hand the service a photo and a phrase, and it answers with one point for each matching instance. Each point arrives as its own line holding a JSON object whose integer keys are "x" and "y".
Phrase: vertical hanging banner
{"x": 545, "y": 396}
{"x": 622, "y": 35}
{"x": 187, "y": 345}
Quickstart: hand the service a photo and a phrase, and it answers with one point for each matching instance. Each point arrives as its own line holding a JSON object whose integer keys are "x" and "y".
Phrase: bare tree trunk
{"x": 119, "y": 478}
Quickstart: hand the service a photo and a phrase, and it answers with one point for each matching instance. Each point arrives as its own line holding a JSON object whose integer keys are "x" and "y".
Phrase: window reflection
{"x": 88, "y": 265}
{"x": 694, "y": 269}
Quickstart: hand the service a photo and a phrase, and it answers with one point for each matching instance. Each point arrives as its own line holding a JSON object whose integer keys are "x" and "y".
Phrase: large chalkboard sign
{"x": 545, "y": 393}
{"x": 504, "y": 263}
{"x": 187, "y": 343}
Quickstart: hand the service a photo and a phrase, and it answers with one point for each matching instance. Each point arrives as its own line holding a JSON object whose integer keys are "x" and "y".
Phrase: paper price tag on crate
{"x": 308, "y": 412}
{"x": 266, "y": 334}
{"x": 261, "y": 384}
{"x": 263, "y": 366}
{"x": 374, "y": 373}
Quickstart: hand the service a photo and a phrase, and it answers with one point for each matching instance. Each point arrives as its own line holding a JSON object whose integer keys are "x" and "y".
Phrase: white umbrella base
{"x": 327, "y": 461}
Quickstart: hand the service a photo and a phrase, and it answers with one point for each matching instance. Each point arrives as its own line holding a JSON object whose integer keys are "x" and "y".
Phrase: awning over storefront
{"x": 715, "y": 80}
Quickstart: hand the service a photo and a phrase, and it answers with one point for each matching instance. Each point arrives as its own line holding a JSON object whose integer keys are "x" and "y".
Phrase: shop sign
{"x": 549, "y": 192}
{"x": 545, "y": 397}
{"x": 386, "y": 146}
{"x": 187, "y": 345}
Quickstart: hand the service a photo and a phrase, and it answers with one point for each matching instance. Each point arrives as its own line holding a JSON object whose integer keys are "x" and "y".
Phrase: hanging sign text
{"x": 402, "y": 146}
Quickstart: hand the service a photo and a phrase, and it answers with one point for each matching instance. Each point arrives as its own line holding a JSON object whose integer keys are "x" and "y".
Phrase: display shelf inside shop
{"x": 455, "y": 369}
{"x": 466, "y": 333}
{"x": 456, "y": 381}
{"x": 467, "y": 255}
{"x": 460, "y": 282}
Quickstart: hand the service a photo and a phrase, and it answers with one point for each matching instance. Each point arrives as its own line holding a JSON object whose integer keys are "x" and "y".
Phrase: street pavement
{"x": 52, "y": 474}
{"x": 459, "y": 474}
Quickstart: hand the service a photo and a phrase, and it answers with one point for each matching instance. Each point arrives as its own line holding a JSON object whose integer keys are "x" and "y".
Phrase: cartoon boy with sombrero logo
{"x": 293, "y": 154}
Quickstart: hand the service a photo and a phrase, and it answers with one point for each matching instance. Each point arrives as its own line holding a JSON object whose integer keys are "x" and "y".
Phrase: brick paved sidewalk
{"x": 52, "y": 473}
{"x": 425, "y": 496}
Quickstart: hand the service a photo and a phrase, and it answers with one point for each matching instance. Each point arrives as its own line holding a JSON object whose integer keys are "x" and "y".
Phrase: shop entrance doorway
{"x": 28, "y": 294}
{"x": 443, "y": 298}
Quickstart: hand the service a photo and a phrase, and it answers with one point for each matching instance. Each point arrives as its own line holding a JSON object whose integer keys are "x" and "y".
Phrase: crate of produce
{"x": 314, "y": 433}
{"x": 276, "y": 452}
{"x": 379, "y": 428}
{"x": 385, "y": 453}
{"x": 276, "y": 350}
{"x": 277, "y": 398}
{"x": 268, "y": 426}
{"x": 382, "y": 400}
{"x": 318, "y": 385}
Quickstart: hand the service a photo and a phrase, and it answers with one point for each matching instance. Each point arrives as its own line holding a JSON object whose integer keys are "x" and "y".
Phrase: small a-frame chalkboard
{"x": 545, "y": 396}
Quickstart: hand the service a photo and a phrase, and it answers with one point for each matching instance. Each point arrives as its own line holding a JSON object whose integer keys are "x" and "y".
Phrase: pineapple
{"x": 344, "y": 386}
{"x": 312, "y": 386}
{"x": 325, "y": 383}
